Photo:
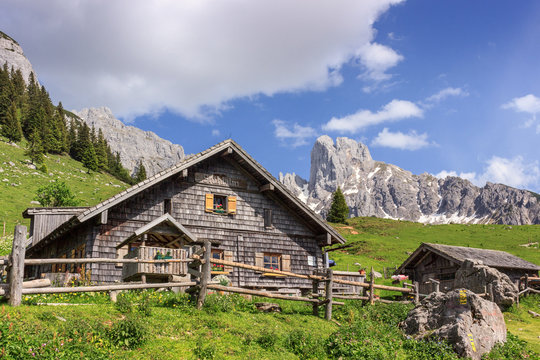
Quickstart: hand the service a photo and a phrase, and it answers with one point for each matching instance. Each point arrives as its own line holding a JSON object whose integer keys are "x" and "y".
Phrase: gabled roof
{"x": 235, "y": 152}
{"x": 458, "y": 254}
{"x": 164, "y": 229}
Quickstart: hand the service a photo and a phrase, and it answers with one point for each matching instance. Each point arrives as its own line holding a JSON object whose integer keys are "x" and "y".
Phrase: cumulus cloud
{"x": 399, "y": 140}
{"x": 528, "y": 104}
{"x": 192, "y": 57}
{"x": 393, "y": 111}
{"x": 216, "y": 132}
{"x": 294, "y": 136}
{"x": 515, "y": 172}
{"x": 377, "y": 59}
{"x": 445, "y": 93}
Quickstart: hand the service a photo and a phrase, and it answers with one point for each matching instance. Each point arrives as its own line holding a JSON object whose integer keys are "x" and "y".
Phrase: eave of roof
{"x": 185, "y": 164}
{"x": 446, "y": 252}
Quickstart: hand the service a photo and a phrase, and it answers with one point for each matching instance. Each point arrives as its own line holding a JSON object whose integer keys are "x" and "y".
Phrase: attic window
{"x": 220, "y": 204}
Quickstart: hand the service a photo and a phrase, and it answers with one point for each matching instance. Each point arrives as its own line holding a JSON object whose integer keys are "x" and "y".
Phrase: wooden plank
{"x": 101, "y": 260}
{"x": 266, "y": 187}
{"x": 260, "y": 293}
{"x": 16, "y": 272}
{"x": 59, "y": 290}
{"x": 329, "y": 284}
{"x": 206, "y": 273}
{"x": 262, "y": 269}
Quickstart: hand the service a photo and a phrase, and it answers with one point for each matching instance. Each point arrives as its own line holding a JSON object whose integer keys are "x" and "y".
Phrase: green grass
{"x": 387, "y": 243}
{"x": 519, "y": 322}
{"x": 18, "y": 184}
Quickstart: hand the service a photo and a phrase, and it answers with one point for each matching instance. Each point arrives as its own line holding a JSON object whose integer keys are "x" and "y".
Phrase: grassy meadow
{"x": 19, "y": 183}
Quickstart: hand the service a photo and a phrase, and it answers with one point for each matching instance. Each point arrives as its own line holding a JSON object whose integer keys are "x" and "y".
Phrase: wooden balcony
{"x": 154, "y": 272}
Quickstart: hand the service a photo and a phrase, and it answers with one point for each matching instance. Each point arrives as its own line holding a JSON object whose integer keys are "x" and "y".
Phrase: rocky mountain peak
{"x": 12, "y": 53}
{"x": 374, "y": 188}
{"x": 133, "y": 144}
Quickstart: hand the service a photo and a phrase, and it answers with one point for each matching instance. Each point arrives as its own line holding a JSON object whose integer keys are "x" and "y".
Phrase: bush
{"x": 514, "y": 348}
{"x": 128, "y": 333}
{"x": 205, "y": 350}
{"x": 123, "y": 304}
{"x": 55, "y": 194}
{"x": 143, "y": 306}
{"x": 267, "y": 339}
{"x": 227, "y": 303}
{"x": 304, "y": 345}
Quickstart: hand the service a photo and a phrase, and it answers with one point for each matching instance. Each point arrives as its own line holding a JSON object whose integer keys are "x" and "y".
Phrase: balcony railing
{"x": 130, "y": 271}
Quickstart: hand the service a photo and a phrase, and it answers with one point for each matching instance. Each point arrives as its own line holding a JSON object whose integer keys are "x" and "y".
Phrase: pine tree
{"x": 12, "y": 126}
{"x": 89, "y": 159}
{"x": 35, "y": 148}
{"x": 101, "y": 152}
{"x": 140, "y": 174}
{"x": 6, "y": 93}
{"x": 339, "y": 211}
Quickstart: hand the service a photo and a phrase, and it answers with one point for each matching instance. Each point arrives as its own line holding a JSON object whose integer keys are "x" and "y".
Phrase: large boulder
{"x": 469, "y": 323}
{"x": 474, "y": 275}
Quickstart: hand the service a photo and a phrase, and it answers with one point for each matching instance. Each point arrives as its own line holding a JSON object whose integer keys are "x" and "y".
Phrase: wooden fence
{"x": 199, "y": 266}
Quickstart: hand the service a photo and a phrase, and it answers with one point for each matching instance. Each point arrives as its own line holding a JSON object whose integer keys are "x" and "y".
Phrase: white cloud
{"x": 515, "y": 172}
{"x": 445, "y": 93}
{"x": 193, "y": 56}
{"x": 393, "y": 111}
{"x": 377, "y": 59}
{"x": 399, "y": 140}
{"x": 298, "y": 134}
{"x": 528, "y": 104}
{"x": 216, "y": 132}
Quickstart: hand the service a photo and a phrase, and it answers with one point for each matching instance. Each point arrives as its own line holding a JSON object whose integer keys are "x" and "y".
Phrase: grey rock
{"x": 474, "y": 275}
{"x": 12, "y": 53}
{"x": 133, "y": 144}
{"x": 469, "y": 323}
{"x": 374, "y": 188}
{"x": 268, "y": 307}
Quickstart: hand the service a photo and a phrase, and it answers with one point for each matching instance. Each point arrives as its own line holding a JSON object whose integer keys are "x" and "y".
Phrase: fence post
{"x": 526, "y": 285}
{"x": 371, "y": 288}
{"x": 16, "y": 272}
{"x": 315, "y": 295}
{"x": 329, "y": 285}
{"x": 416, "y": 293}
{"x": 205, "y": 277}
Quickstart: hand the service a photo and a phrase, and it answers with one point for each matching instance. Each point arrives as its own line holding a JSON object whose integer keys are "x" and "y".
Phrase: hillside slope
{"x": 19, "y": 181}
{"x": 387, "y": 243}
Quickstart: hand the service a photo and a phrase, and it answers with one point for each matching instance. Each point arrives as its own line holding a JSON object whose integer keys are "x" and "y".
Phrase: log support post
{"x": 315, "y": 295}
{"x": 371, "y": 288}
{"x": 416, "y": 292}
{"x": 329, "y": 286}
{"x": 205, "y": 278}
{"x": 16, "y": 271}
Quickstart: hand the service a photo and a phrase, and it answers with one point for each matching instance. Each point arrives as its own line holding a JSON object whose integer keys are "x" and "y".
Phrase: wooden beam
{"x": 227, "y": 152}
{"x": 16, "y": 272}
{"x": 266, "y": 187}
{"x": 325, "y": 239}
{"x": 184, "y": 173}
{"x": 103, "y": 217}
{"x": 261, "y": 293}
{"x": 101, "y": 260}
{"x": 205, "y": 276}
{"x": 70, "y": 289}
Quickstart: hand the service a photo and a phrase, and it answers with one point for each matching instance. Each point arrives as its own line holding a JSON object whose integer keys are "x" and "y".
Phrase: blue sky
{"x": 441, "y": 87}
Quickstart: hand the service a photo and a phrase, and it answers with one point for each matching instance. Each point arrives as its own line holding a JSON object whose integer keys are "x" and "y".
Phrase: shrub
{"x": 143, "y": 306}
{"x": 128, "y": 333}
{"x": 267, "y": 339}
{"x": 514, "y": 348}
{"x": 123, "y": 304}
{"x": 55, "y": 194}
{"x": 227, "y": 303}
{"x": 304, "y": 345}
{"x": 205, "y": 350}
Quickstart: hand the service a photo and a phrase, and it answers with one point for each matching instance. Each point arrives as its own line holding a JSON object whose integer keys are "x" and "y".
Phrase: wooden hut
{"x": 221, "y": 194}
{"x": 440, "y": 262}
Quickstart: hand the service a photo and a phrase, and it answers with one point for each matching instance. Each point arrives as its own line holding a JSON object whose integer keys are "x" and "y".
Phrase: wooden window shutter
{"x": 286, "y": 262}
{"x": 231, "y": 204}
{"x": 209, "y": 204}
{"x": 228, "y": 256}
{"x": 259, "y": 259}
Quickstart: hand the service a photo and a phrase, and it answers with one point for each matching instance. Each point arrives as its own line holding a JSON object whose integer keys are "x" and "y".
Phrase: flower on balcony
{"x": 218, "y": 267}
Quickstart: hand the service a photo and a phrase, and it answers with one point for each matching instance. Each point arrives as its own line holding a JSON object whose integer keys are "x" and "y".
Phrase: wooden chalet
{"x": 221, "y": 194}
{"x": 440, "y": 262}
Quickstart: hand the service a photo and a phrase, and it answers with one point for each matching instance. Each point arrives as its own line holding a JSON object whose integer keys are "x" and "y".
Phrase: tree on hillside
{"x": 140, "y": 174}
{"x": 34, "y": 148}
{"x": 12, "y": 126}
{"x": 339, "y": 211}
{"x": 55, "y": 194}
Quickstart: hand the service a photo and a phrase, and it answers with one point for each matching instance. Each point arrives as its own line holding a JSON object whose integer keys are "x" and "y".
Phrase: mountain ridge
{"x": 374, "y": 188}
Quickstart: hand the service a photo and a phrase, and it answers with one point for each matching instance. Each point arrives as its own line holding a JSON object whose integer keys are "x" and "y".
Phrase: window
{"x": 448, "y": 276}
{"x": 217, "y": 254}
{"x": 220, "y": 204}
{"x": 268, "y": 218}
{"x": 272, "y": 261}
{"x": 167, "y": 206}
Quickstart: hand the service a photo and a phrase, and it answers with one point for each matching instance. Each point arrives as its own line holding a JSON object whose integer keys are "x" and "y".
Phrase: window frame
{"x": 270, "y": 263}
{"x": 214, "y": 267}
